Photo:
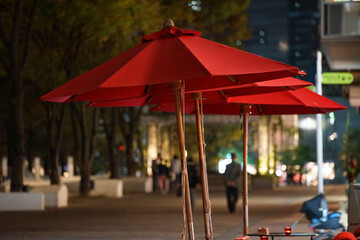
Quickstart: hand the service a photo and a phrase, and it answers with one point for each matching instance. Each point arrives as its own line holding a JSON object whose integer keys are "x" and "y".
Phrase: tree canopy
{"x": 61, "y": 39}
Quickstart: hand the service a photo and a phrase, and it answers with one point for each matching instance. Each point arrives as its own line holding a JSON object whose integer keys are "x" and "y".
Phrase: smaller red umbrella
{"x": 109, "y": 97}
{"x": 219, "y": 96}
{"x": 300, "y": 101}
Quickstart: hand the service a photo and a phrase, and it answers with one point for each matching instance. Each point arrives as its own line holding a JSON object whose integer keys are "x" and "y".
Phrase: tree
{"x": 350, "y": 145}
{"x": 15, "y": 38}
{"x": 221, "y": 21}
{"x": 111, "y": 125}
{"x": 129, "y": 121}
{"x": 298, "y": 155}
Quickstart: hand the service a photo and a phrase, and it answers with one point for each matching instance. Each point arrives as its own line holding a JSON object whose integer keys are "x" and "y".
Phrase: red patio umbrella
{"x": 173, "y": 55}
{"x": 300, "y": 101}
{"x": 164, "y": 62}
{"x": 209, "y": 97}
{"x": 108, "y": 97}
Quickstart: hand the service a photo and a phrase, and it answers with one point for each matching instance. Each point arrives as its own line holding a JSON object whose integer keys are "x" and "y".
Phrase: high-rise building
{"x": 286, "y": 31}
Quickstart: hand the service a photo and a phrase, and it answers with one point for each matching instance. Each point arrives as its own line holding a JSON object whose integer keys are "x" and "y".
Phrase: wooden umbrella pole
{"x": 203, "y": 172}
{"x": 245, "y": 111}
{"x": 176, "y": 86}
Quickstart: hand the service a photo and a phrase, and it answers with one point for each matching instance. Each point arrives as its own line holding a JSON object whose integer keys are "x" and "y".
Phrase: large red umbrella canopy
{"x": 107, "y": 97}
{"x": 300, "y": 101}
{"x": 171, "y": 55}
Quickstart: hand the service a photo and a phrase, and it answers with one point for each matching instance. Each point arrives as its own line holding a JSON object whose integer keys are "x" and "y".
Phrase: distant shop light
{"x": 332, "y": 118}
{"x": 307, "y": 124}
{"x": 333, "y": 136}
{"x": 222, "y": 164}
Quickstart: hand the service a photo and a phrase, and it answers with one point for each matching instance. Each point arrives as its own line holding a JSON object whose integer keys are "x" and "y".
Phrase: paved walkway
{"x": 155, "y": 216}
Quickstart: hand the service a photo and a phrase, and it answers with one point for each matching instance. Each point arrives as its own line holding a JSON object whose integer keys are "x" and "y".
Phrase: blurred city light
{"x": 332, "y": 118}
{"x": 307, "y": 123}
{"x": 333, "y": 136}
{"x": 222, "y": 164}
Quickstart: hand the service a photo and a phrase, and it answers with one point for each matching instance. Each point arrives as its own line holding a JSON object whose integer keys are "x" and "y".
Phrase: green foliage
{"x": 221, "y": 21}
{"x": 350, "y": 145}
{"x": 71, "y": 37}
{"x": 217, "y": 138}
{"x": 298, "y": 155}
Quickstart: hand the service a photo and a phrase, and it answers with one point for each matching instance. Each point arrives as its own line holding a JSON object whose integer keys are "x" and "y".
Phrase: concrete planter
{"x": 108, "y": 187}
{"x": 22, "y": 201}
{"x": 137, "y": 185}
{"x": 55, "y": 195}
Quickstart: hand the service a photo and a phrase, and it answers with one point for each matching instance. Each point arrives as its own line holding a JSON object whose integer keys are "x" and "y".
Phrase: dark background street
{"x": 156, "y": 216}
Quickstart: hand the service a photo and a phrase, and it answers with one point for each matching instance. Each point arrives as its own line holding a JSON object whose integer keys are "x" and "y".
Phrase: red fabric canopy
{"x": 300, "y": 101}
{"x": 170, "y": 55}
{"x": 153, "y": 97}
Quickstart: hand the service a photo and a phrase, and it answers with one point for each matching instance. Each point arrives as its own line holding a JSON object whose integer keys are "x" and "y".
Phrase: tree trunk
{"x": 128, "y": 128}
{"x": 141, "y": 150}
{"x": 29, "y": 147}
{"x": 93, "y": 136}
{"x": 14, "y": 69}
{"x": 87, "y": 149}
{"x": 110, "y": 130}
{"x": 54, "y": 166}
{"x": 16, "y": 135}
{"x": 131, "y": 165}
{"x": 84, "y": 160}
{"x": 54, "y": 129}
{"x": 77, "y": 149}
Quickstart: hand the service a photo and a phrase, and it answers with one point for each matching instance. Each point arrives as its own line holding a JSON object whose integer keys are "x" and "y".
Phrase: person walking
{"x": 176, "y": 175}
{"x": 163, "y": 174}
{"x": 231, "y": 177}
{"x": 155, "y": 171}
{"x": 193, "y": 179}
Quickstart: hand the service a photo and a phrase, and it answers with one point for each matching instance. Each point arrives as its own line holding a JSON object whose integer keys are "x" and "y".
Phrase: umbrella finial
{"x": 169, "y": 23}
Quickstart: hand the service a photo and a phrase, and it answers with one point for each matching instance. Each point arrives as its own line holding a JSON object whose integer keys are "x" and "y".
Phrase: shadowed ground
{"x": 155, "y": 216}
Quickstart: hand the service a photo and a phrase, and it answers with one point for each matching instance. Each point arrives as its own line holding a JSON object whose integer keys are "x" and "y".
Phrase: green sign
{"x": 337, "y": 78}
{"x": 311, "y": 88}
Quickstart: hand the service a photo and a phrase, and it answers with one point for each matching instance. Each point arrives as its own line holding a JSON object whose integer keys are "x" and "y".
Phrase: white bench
{"x": 136, "y": 185}
{"x": 55, "y": 195}
{"x": 22, "y": 201}
{"x": 108, "y": 187}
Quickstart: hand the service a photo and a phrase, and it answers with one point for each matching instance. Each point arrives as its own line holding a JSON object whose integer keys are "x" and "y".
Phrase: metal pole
{"x": 245, "y": 111}
{"x": 176, "y": 86}
{"x": 203, "y": 172}
{"x": 319, "y": 132}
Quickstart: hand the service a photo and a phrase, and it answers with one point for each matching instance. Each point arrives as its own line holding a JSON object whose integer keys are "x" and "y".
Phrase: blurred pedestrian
{"x": 163, "y": 175}
{"x": 155, "y": 171}
{"x": 231, "y": 177}
{"x": 352, "y": 170}
{"x": 176, "y": 175}
{"x": 193, "y": 179}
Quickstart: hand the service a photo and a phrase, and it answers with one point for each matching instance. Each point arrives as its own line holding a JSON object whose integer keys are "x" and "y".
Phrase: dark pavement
{"x": 156, "y": 216}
